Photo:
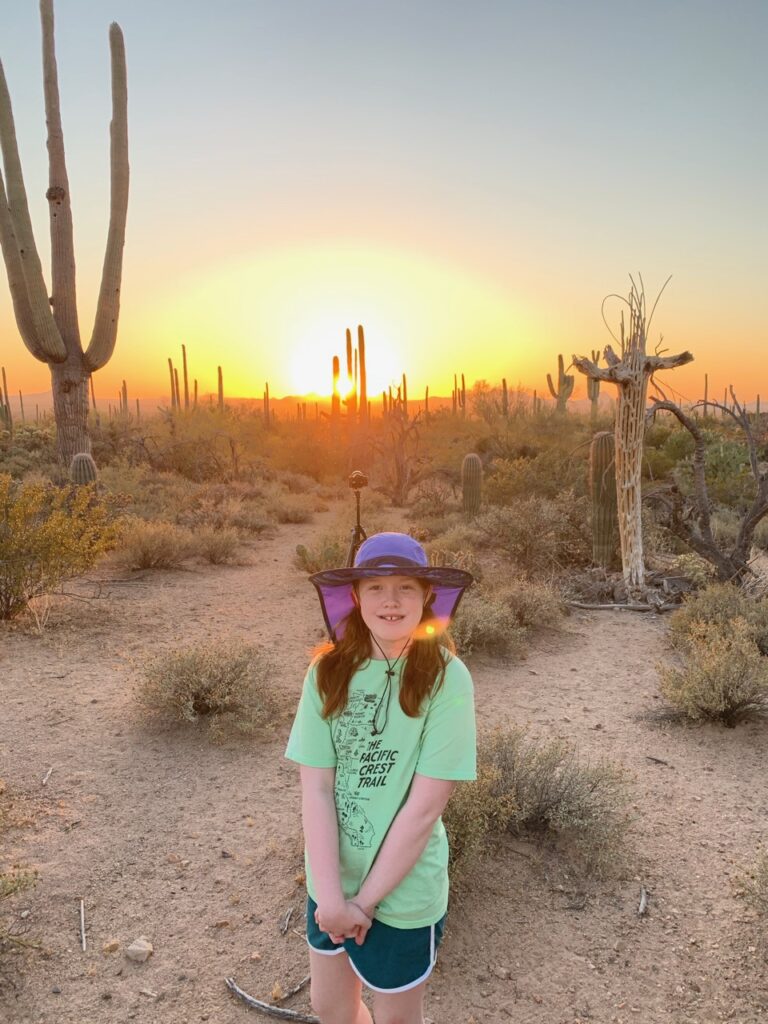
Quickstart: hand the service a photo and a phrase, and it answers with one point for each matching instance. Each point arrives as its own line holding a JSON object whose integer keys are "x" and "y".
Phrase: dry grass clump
{"x": 432, "y": 499}
{"x": 154, "y": 546}
{"x": 725, "y": 677}
{"x": 756, "y": 883}
{"x": 456, "y": 559}
{"x": 217, "y": 684}
{"x": 717, "y": 608}
{"x": 219, "y": 547}
{"x": 485, "y": 625}
{"x": 288, "y": 509}
{"x": 543, "y": 790}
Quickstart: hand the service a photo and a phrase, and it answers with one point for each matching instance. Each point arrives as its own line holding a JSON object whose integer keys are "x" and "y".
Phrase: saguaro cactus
{"x": 49, "y": 326}
{"x": 565, "y": 382}
{"x": 602, "y": 488}
{"x": 630, "y": 374}
{"x": 82, "y": 469}
{"x": 471, "y": 481}
{"x": 593, "y": 390}
{"x": 364, "y": 410}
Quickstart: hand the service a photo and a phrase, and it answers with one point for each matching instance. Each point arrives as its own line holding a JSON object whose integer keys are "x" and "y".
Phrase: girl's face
{"x": 391, "y": 607}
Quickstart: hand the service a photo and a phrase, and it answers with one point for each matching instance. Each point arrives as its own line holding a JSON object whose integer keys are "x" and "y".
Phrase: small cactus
{"x": 471, "y": 480}
{"x": 602, "y": 486}
{"x": 82, "y": 469}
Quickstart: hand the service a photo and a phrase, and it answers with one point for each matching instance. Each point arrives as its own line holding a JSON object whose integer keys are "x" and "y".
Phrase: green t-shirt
{"x": 374, "y": 774}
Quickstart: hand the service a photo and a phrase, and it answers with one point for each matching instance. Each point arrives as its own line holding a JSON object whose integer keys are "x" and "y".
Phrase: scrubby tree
{"x": 49, "y": 325}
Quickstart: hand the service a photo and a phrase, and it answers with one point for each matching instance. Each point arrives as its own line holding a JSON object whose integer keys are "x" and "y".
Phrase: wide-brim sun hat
{"x": 390, "y": 554}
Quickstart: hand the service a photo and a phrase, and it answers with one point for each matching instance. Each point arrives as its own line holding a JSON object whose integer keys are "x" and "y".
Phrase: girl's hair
{"x": 336, "y": 663}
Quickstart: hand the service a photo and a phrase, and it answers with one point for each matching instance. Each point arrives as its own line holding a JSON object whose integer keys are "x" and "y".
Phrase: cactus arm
{"x": 49, "y": 340}
{"x": 104, "y": 335}
{"x": 551, "y": 387}
{"x": 18, "y": 288}
{"x": 64, "y": 300}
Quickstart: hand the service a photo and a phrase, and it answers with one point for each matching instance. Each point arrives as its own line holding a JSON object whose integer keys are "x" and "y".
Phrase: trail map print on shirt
{"x": 363, "y": 764}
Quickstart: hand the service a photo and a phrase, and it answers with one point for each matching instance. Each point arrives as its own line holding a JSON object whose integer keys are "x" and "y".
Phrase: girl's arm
{"x": 321, "y": 835}
{"x": 406, "y": 840}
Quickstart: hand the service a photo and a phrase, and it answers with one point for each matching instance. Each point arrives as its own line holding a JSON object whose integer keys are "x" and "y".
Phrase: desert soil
{"x": 196, "y": 846}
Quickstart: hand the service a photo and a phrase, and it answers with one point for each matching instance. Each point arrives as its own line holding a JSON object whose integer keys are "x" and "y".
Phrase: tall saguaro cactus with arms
{"x": 49, "y": 326}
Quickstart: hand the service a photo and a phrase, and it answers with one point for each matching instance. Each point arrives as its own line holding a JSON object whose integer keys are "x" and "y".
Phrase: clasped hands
{"x": 344, "y": 920}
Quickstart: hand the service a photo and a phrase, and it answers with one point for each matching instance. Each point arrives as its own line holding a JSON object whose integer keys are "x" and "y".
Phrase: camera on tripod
{"x": 357, "y": 481}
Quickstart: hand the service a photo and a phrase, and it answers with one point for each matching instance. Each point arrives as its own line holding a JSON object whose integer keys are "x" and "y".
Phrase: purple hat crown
{"x": 390, "y": 551}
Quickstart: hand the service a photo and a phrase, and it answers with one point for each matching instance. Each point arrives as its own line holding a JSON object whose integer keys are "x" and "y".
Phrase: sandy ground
{"x": 197, "y": 846}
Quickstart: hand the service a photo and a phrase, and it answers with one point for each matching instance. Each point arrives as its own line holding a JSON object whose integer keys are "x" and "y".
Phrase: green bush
{"x": 217, "y": 685}
{"x": 484, "y": 625}
{"x": 714, "y": 611}
{"x": 539, "y": 534}
{"x": 546, "y": 474}
{"x": 725, "y": 677}
{"x": 476, "y": 814}
{"x": 48, "y": 535}
{"x": 433, "y": 499}
{"x": 154, "y": 546}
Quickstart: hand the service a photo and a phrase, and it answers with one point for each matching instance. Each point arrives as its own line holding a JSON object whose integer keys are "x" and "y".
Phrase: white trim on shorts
{"x": 375, "y": 988}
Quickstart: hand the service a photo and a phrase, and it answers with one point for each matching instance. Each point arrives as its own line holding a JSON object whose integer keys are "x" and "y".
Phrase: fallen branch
{"x": 296, "y": 988}
{"x": 656, "y": 760}
{"x": 268, "y": 1008}
{"x": 643, "y": 907}
{"x": 47, "y": 776}
{"x": 286, "y": 921}
{"x": 623, "y": 607}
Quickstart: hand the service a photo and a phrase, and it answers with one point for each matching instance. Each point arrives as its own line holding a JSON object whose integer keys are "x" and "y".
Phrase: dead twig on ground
{"x": 268, "y": 1008}
{"x": 47, "y": 776}
{"x": 656, "y": 760}
{"x": 643, "y": 905}
{"x": 286, "y": 921}
{"x": 623, "y": 607}
{"x": 82, "y": 924}
{"x": 296, "y": 988}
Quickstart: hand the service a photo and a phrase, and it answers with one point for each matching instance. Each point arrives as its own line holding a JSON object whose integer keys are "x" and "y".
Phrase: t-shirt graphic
{"x": 351, "y": 736}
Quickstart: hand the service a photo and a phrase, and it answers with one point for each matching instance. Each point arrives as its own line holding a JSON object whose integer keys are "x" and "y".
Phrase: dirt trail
{"x": 197, "y": 847}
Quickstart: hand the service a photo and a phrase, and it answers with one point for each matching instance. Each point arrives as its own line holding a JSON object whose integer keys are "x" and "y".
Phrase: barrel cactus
{"x": 82, "y": 469}
{"x": 602, "y": 486}
{"x": 471, "y": 480}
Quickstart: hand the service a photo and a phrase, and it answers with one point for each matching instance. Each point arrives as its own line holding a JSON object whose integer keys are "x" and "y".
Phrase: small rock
{"x": 173, "y": 858}
{"x": 501, "y": 972}
{"x": 140, "y": 950}
{"x": 111, "y": 946}
{"x": 106, "y": 996}
{"x": 56, "y": 990}
{"x": 25, "y": 914}
{"x": 226, "y": 854}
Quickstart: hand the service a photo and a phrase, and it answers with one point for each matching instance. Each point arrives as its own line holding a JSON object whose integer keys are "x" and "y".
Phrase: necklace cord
{"x": 375, "y": 731}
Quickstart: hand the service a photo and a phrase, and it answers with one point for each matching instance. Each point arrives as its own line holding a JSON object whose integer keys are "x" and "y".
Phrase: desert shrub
{"x": 48, "y": 535}
{"x": 756, "y": 883}
{"x": 458, "y": 536}
{"x": 154, "y": 546}
{"x": 433, "y": 499}
{"x": 729, "y": 477}
{"x": 693, "y": 567}
{"x": 533, "y": 605}
{"x": 456, "y": 559}
{"x": 297, "y": 483}
{"x": 218, "y": 685}
{"x": 329, "y": 552}
{"x": 30, "y": 449}
{"x": 290, "y": 509}
{"x": 539, "y": 533}
{"x": 546, "y": 474}
{"x": 556, "y": 794}
{"x": 484, "y": 625}
{"x": 725, "y": 677}
{"x": 219, "y": 547}
{"x": 475, "y": 815}
{"x": 714, "y": 611}
{"x": 150, "y": 494}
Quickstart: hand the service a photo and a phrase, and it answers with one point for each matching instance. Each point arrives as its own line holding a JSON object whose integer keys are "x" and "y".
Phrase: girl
{"x": 384, "y": 730}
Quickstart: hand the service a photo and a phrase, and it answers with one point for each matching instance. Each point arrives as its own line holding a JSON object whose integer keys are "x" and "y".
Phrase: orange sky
{"x": 471, "y": 222}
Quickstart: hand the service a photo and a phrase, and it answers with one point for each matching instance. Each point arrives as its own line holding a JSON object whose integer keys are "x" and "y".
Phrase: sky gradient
{"x": 466, "y": 180}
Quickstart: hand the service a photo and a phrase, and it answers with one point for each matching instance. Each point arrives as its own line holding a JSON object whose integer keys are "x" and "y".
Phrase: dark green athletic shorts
{"x": 390, "y": 959}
